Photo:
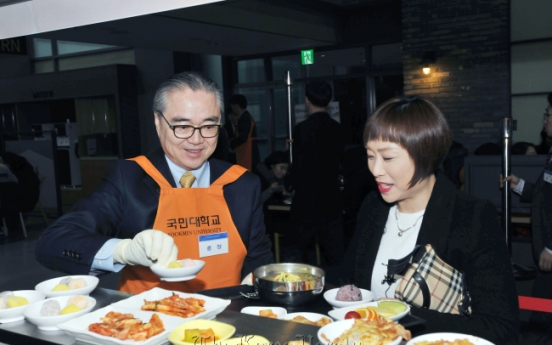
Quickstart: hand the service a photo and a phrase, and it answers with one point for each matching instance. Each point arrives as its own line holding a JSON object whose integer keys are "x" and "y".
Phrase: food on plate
{"x": 353, "y": 315}
{"x": 61, "y": 287}
{"x": 267, "y": 313}
{"x": 174, "y": 264}
{"x": 367, "y": 313}
{"x": 446, "y": 342}
{"x": 393, "y": 306}
{"x": 175, "y": 305}
{"x": 77, "y": 283}
{"x": 50, "y": 308}
{"x": 371, "y": 332}
{"x": 298, "y": 342}
{"x": 74, "y": 304}
{"x": 126, "y": 326}
{"x": 288, "y": 277}
{"x": 199, "y": 336}
{"x": 348, "y": 293}
{"x": 71, "y": 308}
{"x": 80, "y": 301}
{"x": 187, "y": 263}
{"x": 65, "y": 281}
{"x": 17, "y": 301}
{"x": 4, "y": 296}
{"x": 321, "y": 322}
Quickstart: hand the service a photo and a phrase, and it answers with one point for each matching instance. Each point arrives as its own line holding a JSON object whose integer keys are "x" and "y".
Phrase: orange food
{"x": 375, "y": 332}
{"x": 200, "y": 336}
{"x": 175, "y": 305}
{"x": 367, "y": 313}
{"x": 126, "y": 326}
{"x": 268, "y": 313}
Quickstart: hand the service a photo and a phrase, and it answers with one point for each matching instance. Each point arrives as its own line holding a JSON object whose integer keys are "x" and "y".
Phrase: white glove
{"x": 146, "y": 248}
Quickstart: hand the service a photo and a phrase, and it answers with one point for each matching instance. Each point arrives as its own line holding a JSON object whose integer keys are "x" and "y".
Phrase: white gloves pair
{"x": 146, "y": 248}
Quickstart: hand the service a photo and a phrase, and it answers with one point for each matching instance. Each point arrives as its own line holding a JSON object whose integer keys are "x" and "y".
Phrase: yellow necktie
{"x": 187, "y": 179}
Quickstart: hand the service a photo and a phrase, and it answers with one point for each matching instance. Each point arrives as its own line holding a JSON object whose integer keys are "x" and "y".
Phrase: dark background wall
{"x": 470, "y": 79}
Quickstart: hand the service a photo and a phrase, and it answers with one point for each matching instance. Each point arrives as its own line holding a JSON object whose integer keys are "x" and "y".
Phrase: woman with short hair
{"x": 406, "y": 140}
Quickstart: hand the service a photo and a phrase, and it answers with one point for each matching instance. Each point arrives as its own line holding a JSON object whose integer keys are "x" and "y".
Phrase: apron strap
{"x": 229, "y": 176}
{"x": 152, "y": 171}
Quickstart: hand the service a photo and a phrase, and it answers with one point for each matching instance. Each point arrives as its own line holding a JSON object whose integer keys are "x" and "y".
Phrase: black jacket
{"x": 465, "y": 233}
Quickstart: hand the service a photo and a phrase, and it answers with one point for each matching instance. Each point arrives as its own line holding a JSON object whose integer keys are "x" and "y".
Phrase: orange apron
{"x": 199, "y": 221}
{"x": 244, "y": 152}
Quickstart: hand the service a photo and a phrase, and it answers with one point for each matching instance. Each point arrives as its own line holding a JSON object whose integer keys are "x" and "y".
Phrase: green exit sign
{"x": 307, "y": 57}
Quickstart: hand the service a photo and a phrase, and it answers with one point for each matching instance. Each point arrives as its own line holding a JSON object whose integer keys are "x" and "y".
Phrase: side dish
{"x": 175, "y": 305}
{"x": 127, "y": 327}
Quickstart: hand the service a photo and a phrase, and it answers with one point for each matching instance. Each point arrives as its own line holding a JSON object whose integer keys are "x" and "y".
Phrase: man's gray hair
{"x": 180, "y": 81}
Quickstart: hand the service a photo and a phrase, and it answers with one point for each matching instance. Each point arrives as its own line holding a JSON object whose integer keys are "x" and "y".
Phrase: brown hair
{"x": 418, "y": 126}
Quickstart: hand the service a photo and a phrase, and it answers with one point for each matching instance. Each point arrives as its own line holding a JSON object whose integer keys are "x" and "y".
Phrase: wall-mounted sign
{"x": 16, "y": 46}
{"x": 307, "y": 57}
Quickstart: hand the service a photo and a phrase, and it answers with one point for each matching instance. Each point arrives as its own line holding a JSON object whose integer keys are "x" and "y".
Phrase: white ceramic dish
{"x": 177, "y": 274}
{"x": 78, "y": 327}
{"x": 329, "y": 296}
{"x": 49, "y": 323}
{"x": 47, "y": 286}
{"x": 309, "y": 316}
{"x": 339, "y": 314}
{"x": 222, "y": 330}
{"x": 449, "y": 337}
{"x": 333, "y": 330}
{"x": 279, "y": 311}
{"x": 16, "y": 314}
{"x": 213, "y": 306}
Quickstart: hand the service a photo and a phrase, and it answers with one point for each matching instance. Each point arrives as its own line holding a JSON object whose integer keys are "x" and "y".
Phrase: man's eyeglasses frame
{"x": 174, "y": 127}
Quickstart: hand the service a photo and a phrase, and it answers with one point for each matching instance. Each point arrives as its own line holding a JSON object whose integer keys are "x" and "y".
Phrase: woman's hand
{"x": 514, "y": 180}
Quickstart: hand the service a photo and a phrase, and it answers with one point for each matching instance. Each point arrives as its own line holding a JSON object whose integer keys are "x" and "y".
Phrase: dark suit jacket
{"x": 126, "y": 202}
{"x": 465, "y": 233}
{"x": 539, "y": 194}
{"x": 317, "y": 151}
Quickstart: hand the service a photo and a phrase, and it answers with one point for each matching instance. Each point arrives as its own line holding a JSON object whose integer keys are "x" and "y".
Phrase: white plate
{"x": 78, "y": 327}
{"x": 309, "y": 316}
{"x": 177, "y": 274}
{"x": 339, "y": 314}
{"x": 16, "y": 314}
{"x": 329, "y": 296}
{"x": 47, "y": 286}
{"x": 49, "y": 323}
{"x": 213, "y": 306}
{"x": 279, "y": 311}
{"x": 335, "y": 329}
{"x": 449, "y": 337}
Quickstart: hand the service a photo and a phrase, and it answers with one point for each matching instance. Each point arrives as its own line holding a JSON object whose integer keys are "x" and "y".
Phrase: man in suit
{"x": 139, "y": 216}
{"x": 539, "y": 194}
{"x": 317, "y": 151}
{"x": 245, "y": 141}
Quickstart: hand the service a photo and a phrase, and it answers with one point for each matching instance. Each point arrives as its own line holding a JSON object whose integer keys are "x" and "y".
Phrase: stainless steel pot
{"x": 289, "y": 293}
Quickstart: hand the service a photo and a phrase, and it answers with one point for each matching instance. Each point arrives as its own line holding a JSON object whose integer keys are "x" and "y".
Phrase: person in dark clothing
{"x": 454, "y": 163}
{"x": 245, "y": 142}
{"x": 524, "y": 148}
{"x": 317, "y": 151}
{"x": 20, "y": 196}
{"x": 488, "y": 149}
{"x": 272, "y": 173}
{"x": 406, "y": 139}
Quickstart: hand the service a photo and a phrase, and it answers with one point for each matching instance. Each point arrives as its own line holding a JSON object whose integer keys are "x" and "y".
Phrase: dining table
{"x": 276, "y": 331}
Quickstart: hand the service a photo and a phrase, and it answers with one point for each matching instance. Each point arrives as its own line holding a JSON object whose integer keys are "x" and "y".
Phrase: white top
{"x": 393, "y": 246}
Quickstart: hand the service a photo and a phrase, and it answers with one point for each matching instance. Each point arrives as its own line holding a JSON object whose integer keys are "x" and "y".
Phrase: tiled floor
{"x": 19, "y": 270}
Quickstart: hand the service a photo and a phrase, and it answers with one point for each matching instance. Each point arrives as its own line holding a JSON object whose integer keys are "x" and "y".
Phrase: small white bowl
{"x": 177, "y": 274}
{"x": 329, "y": 296}
{"x": 47, "y": 286}
{"x": 339, "y": 313}
{"x": 335, "y": 329}
{"x": 16, "y": 314}
{"x": 450, "y": 337}
{"x": 49, "y": 323}
{"x": 279, "y": 311}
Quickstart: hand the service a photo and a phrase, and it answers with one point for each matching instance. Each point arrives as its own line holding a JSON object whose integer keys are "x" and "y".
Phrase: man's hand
{"x": 545, "y": 261}
{"x": 514, "y": 180}
{"x": 146, "y": 248}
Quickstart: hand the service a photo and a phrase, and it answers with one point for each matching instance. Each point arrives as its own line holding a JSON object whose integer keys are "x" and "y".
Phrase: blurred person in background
{"x": 539, "y": 194}
{"x": 317, "y": 152}
{"x": 272, "y": 173}
{"x": 406, "y": 139}
{"x": 245, "y": 142}
{"x": 523, "y": 148}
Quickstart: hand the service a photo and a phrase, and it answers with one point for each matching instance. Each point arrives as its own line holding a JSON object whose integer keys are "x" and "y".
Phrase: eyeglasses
{"x": 185, "y": 131}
